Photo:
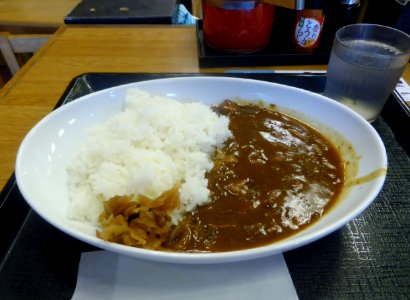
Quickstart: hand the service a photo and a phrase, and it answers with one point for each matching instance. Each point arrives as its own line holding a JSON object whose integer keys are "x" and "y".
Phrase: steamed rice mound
{"x": 152, "y": 145}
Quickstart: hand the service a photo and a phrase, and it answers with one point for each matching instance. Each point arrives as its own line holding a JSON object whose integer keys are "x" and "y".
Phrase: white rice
{"x": 145, "y": 150}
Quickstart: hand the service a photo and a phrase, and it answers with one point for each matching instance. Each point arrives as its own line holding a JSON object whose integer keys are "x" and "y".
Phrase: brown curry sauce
{"x": 275, "y": 176}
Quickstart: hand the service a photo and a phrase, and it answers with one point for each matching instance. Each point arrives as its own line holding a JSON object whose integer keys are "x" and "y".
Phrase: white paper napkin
{"x": 105, "y": 275}
{"x": 403, "y": 90}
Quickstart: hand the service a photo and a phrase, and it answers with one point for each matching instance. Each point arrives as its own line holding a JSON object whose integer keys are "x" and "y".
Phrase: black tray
{"x": 121, "y": 12}
{"x": 367, "y": 258}
{"x": 273, "y": 55}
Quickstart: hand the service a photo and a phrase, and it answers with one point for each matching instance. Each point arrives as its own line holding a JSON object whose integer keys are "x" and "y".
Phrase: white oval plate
{"x": 46, "y": 150}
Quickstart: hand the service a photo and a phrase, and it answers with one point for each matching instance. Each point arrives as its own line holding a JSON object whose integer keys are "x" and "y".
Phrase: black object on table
{"x": 279, "y": 52}
{"x": 122, "y": 12}
{"x": 366, "y": 259}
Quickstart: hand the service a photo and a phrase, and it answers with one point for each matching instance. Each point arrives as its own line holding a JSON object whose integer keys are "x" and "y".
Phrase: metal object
{"x": 299, "y": 4}
{"x": 349, "y": 2}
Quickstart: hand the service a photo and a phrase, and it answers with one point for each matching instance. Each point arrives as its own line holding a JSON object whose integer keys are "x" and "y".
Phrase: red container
{"x": 237, "y": 26}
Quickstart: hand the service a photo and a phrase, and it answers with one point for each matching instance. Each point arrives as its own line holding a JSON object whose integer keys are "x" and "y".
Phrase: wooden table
{"x": 34, "y": 15}
{"x": 72, "y": 51}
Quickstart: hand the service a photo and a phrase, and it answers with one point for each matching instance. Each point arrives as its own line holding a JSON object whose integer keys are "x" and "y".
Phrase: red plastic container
{"x": 237, "y": 26}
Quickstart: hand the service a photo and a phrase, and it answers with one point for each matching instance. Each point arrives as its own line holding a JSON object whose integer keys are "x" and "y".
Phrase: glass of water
{"x": 365, "y": 65}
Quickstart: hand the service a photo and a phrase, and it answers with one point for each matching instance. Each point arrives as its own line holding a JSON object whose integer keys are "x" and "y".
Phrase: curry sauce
{"x": 275, "y": 176}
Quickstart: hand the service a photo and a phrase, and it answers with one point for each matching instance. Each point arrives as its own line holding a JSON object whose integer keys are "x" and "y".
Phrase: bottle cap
{"x": 233, "y": 4}
{"x": 349, "y": 2}
{"x": 300, "y": 4}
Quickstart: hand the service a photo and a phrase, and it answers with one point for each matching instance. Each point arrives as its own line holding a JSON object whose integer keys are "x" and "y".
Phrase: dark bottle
{"x": 309, "y": 25}
{"x": 339, "y": 13}
{"x": 383, "y": 12}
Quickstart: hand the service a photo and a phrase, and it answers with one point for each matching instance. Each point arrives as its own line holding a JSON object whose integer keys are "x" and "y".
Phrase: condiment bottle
{"x": 308, "y": 26}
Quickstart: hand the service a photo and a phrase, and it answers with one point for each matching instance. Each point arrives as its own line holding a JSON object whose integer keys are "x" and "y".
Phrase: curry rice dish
{"x": 273, "y": 176}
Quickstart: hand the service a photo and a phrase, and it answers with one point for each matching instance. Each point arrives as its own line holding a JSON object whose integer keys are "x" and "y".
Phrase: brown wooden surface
{"x": 75, "y": 50}
{"x": 35, "y": 12}
{"x": 291, "y": 4}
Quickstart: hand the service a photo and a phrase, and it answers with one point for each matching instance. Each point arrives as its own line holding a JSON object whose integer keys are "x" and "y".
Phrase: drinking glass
{"x": 366, "y": 63}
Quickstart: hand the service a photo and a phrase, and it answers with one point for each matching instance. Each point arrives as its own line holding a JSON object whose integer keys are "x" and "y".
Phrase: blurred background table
{"x": 34, "y": 16}
{"x": 30, "y": 17}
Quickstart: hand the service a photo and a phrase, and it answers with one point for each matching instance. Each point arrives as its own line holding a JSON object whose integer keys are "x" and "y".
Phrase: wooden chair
{"x": 13, "y": 44}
